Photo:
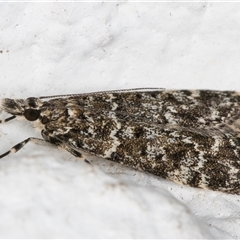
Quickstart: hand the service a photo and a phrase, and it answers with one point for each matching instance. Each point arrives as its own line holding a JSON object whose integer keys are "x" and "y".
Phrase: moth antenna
{"x": 104, "y": 92}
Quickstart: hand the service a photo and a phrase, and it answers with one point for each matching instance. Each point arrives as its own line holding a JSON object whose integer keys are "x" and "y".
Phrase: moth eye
{"x": 31, "y": 114}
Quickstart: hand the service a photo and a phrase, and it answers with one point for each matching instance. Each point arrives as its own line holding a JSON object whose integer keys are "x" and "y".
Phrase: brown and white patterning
{"x": 189, "y": 137}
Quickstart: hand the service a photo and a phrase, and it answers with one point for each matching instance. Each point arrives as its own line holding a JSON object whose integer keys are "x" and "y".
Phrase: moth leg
{"x": 20, "y": 145}
{"x": 86, "y": 161}
{"x": 7, "y": 119}
{"x": 75, "y": 153}
{"x": 61, "y": 143}
{"x": 71, "y": 150}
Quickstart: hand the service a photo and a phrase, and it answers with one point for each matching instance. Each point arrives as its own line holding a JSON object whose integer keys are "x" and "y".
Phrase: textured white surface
{"x": 57, "y": 48}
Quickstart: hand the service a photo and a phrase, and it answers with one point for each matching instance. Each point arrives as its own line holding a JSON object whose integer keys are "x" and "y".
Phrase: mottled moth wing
{"x": 190, "y": 137}
{"x": 187, "y": 137}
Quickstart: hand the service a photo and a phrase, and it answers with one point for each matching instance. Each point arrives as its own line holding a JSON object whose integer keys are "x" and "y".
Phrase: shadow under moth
{"x": 189, "y": 137}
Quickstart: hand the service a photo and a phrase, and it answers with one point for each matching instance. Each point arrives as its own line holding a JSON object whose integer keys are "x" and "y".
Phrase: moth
{"x": 191, "y": 137}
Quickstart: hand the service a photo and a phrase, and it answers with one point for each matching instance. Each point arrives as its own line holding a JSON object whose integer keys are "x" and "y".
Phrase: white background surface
{"x": 59, "y": 48}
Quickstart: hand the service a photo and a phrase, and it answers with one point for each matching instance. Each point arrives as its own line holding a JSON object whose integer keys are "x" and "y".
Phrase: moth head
{"x": 29, "y": 108}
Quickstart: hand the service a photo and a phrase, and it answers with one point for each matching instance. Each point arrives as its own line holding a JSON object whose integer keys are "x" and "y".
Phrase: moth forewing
{"x": 189, "y": 137}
